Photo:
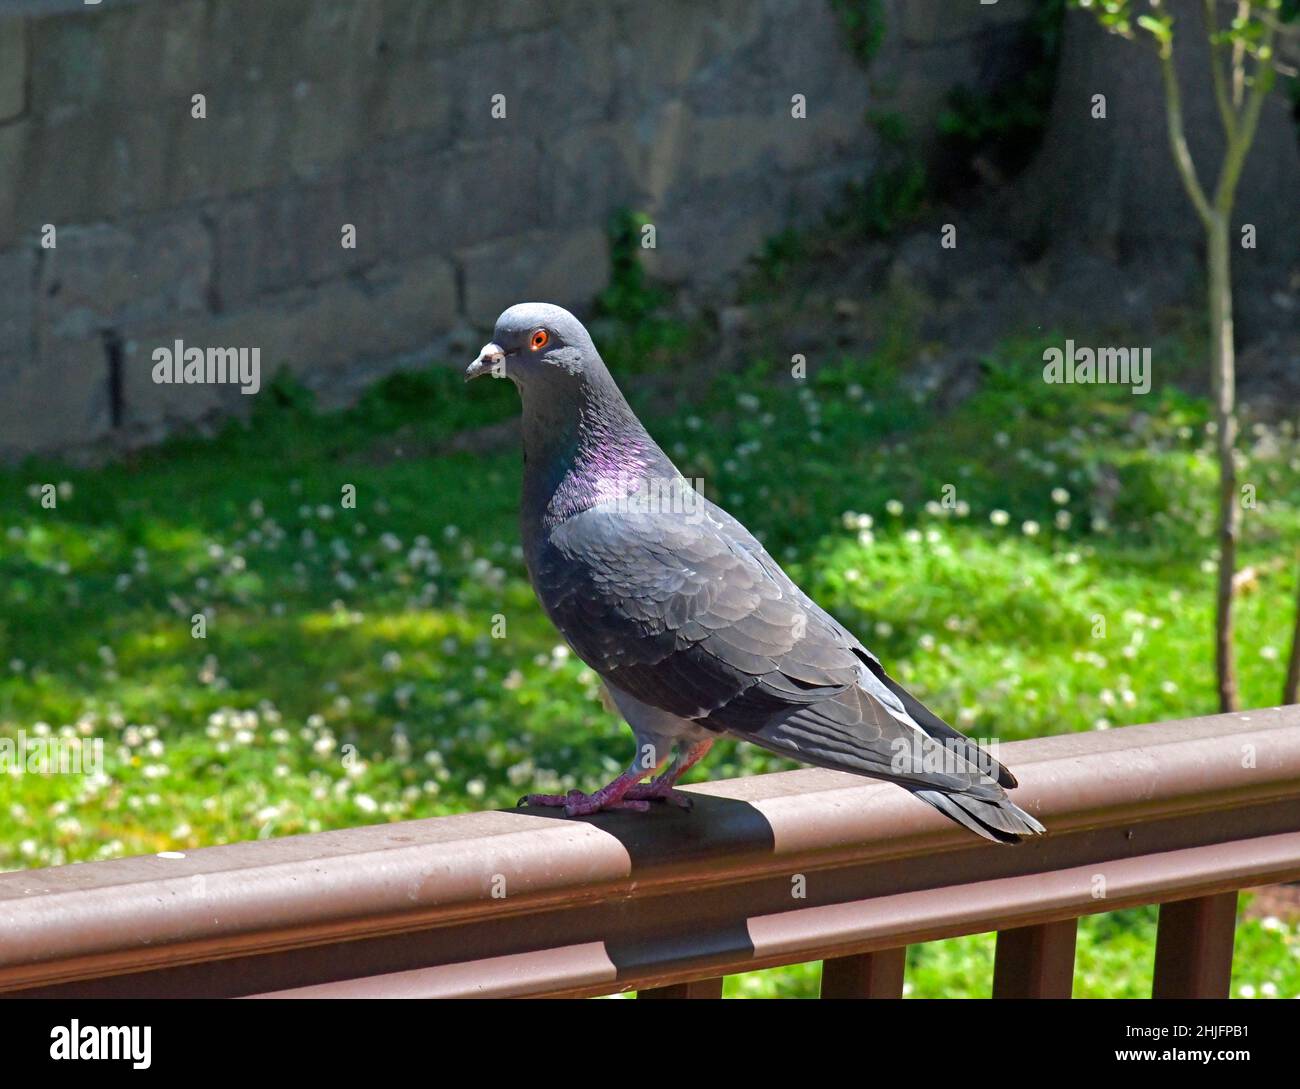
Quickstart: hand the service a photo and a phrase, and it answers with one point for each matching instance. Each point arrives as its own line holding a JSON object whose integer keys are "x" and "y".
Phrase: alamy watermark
{"x": 919, "y": 752}
{"x": 660, "y": 495}
{"x": 51, "y": 755}
{"x": 115, "y": 1043}
{"x": 179, "y": 365}
{"x": 1100, "y": 366}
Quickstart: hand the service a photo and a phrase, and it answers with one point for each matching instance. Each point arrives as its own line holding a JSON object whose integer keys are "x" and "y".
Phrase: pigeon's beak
{"x": 488, "y": 358}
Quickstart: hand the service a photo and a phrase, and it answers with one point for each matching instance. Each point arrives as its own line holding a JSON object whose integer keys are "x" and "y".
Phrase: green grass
{"x": 351, "y": 672}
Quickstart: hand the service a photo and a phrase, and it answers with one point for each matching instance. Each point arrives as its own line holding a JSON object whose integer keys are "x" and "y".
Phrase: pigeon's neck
{"x": 584, "y": 448}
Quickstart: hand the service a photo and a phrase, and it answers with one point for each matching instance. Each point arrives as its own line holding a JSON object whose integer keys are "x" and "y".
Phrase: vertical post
{"x": 867, "y": 975}
{"x": 1194, "y": 947}
{"x": 696, "y": 988}
{"x": 1035, "y": 961}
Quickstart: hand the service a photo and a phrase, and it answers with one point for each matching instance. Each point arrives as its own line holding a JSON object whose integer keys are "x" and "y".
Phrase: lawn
{"x": 1034, "y": 561}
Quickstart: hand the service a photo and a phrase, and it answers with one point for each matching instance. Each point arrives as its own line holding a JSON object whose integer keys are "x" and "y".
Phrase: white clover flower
{"x": 1029, "y": 528}
{"x": 999, "y": 517}
{"x": 894, "y": 507}
{"x": 1060, "y": 496}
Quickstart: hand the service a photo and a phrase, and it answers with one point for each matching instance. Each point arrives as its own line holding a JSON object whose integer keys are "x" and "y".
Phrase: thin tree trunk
{"x": 1291, "y": 693}
{"x": 1223, "y": 363}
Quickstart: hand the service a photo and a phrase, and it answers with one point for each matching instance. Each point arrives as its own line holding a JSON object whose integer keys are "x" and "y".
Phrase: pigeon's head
{"x": 536, "y": 343}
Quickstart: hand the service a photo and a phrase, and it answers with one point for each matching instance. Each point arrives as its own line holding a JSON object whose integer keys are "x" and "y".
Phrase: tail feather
{"x": 1002, "y": 821}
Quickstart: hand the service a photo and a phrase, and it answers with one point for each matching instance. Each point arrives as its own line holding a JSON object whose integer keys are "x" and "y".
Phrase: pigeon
{"x": 695, "y": 630}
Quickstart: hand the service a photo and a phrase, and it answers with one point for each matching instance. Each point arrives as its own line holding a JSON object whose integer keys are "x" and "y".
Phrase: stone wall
{"x": 226, "y": 230}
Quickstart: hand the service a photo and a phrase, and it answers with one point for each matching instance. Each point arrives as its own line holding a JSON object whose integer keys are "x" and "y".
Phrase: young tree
{"x": 1242, "y": 70}
{"x": 1291, "y": 690}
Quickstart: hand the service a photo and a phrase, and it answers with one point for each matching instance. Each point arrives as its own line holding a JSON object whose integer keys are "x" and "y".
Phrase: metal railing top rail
{"x": 766, "y": 870}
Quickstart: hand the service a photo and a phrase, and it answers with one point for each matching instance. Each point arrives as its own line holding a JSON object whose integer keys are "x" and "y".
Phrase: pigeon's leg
{"x": 611, "y": 796}
{"x": 661, "y": 789}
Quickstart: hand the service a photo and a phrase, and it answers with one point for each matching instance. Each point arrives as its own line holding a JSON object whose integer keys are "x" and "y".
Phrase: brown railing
{"x": 771, "y": 870}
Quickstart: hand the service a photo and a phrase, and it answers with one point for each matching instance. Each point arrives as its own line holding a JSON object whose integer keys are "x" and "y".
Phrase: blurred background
{"x": 824, "y": 245}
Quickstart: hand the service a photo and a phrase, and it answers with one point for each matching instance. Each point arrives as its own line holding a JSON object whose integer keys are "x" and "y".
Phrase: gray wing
{"x": 690, "y": 614}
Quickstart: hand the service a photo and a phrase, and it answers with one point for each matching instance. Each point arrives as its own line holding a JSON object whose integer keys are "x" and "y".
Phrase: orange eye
{"x": 539, "y": 340}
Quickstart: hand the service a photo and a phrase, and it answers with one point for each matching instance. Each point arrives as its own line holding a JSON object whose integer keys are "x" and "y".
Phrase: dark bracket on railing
{"x": 771, "y": 870}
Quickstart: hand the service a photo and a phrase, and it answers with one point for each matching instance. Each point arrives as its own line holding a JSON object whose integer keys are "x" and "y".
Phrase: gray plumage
{"x": 695, "y": 629}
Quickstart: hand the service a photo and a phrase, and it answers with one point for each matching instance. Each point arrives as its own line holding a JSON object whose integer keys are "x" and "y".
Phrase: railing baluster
{"x": 1035, "y": 961}
{"x": 697, "y": 988}
{"x": 867, "y": 975}
{"x": 1194, "y": 947}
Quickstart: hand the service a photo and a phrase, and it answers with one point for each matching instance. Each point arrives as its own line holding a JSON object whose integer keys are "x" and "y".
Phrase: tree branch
{"x": 1239, "y": 145}
{"x": 1291, "y": 691}
{"x": 1178, "y": 138}
{"x": 1226, "y": 113}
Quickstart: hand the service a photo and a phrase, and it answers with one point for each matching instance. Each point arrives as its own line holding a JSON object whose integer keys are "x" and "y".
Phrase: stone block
{"x": 568, "y": 268}
{"x": 13, "y": 67}
{"x": 17, "y": 303}
{"x": 102, "y": 276}
{"x": 592, "y": 171}
{"x": 723, "y": 146}
{"x": 386, "y": 311}
{"x": 472, "y": 193}
{"x": 50, "y": 190}
{"x": 317, "y": 334}
{"x": 823, "y": 138}
{"x": 58, "y": 402}
{"x": 280, "y": 239}
{"x": 706, "y": 47}
{"x": 327, "y": 123}
{"x": 13, "y": 167}
{"x": 415, "y": 95}
{"x": 243, "y": 144}
{"x": 708, "y": 231}
{"x": 539, "y": 100}
{"x": 76, "y": 62}
{"x": 667, "y": 151}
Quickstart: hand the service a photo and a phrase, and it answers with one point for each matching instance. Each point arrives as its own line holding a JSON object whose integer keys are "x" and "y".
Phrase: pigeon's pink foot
{"x": 661, "y": 790}
{"x": 578, "y": 804}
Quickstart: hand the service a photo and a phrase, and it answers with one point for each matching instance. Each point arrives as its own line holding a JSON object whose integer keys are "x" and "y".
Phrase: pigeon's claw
{"x": 578, "y": 804}
{"x": 583, "y": 805}
{"x": 611, "y": 796}
{"x": 661, "y": 791}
